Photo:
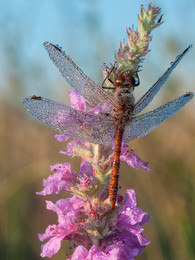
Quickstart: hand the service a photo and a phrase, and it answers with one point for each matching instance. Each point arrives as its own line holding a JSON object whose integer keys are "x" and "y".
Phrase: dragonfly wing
{"x": 92, "y": 92}
{"x": 150, "y": 94}
{"x": 146, "y": 123}
{"x": 87, "y": 127}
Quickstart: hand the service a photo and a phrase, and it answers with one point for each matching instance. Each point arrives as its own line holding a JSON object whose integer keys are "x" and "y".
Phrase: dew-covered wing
{"x": 151, "y": 93}
{"x": 91, "y": 91}
{"x": 146, "y": 123}
{"x": 76, "y": 124}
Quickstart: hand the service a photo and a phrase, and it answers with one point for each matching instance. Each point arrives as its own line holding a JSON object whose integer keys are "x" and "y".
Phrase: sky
{"x": 89, "y": 31}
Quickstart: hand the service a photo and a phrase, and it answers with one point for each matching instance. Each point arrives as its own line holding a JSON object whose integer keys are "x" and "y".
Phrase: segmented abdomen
{"x": 116, "y": 165}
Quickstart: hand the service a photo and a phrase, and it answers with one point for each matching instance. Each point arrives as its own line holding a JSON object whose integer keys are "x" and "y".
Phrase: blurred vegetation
{"x": 27, "y": 149}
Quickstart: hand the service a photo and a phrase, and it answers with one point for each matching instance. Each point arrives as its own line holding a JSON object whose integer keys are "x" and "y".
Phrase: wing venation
{"x": 144, "y": 124}
{"x": 151, "y": 93}
{"x": 79, "y": 125}
{"x": 91, "y": 91}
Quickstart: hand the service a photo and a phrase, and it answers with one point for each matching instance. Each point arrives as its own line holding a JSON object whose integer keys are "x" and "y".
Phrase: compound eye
{"x": 137, "y": 81}
{"x": 119, "y": 80}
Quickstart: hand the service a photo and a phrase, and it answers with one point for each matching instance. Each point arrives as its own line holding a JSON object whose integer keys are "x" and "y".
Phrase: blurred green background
{"x": 90, "y": 31}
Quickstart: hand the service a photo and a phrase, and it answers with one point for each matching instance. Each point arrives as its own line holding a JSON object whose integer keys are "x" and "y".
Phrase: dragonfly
{"x": 123, "y": 123}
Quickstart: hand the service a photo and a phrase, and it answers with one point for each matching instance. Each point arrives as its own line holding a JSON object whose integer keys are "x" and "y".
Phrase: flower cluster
{"x": 86, "y": 218}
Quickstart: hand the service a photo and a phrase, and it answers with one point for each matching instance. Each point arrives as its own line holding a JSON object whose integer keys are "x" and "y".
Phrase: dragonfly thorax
{"x": 124, "y": 86}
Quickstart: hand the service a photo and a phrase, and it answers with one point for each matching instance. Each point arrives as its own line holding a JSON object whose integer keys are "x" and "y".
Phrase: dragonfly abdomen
{"x": 116, "y": 165}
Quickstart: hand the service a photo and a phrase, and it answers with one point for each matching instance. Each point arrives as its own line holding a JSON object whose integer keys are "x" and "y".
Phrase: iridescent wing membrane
{"x": 91, "y": 91}
{"x": 151, "y": 93}
{"x": 77, "y": 124}
{"x": 144, "y": 124}
{"x": 95, "y": 128}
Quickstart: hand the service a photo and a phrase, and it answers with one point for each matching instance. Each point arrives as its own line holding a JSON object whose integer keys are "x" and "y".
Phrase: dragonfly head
{"x": 126, "y": 79}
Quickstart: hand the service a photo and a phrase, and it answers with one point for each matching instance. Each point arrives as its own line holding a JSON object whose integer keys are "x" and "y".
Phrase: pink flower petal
{"x": 133, "y": 159}
{"x": 77, "y": 101}
{"x": 51, "y": 247}
{"x": 61, "y": 138}
{"x": 80, "y": 253}
{"x": 62, "y": 178}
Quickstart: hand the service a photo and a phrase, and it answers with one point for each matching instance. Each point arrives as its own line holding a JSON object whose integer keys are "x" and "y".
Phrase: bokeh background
{"x": 90, "y": 32}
